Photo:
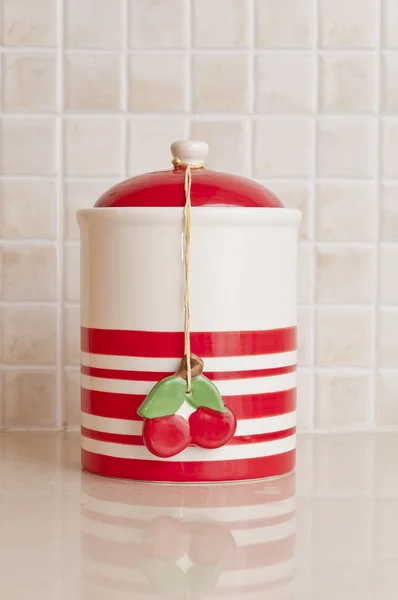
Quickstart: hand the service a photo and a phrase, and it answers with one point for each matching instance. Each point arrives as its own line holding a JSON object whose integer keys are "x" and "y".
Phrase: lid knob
{"x": 190, "y": 152}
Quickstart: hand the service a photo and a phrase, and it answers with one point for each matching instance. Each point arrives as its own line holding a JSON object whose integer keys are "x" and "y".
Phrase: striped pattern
{"x": 251, "y": 528}
{"x": 259, "y": 386}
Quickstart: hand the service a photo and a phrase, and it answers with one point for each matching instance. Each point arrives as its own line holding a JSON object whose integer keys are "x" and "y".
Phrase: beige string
{"x": 187, "y": 236}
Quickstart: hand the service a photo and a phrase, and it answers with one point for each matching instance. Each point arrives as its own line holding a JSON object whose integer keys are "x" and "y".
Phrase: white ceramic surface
{"x": 243, "y": 269}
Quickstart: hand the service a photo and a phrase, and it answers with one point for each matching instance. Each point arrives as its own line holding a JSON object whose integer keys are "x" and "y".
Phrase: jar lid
{"x": 209, "y": 188}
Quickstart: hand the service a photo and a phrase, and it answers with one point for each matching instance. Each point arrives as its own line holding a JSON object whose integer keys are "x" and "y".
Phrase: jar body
{"x": 243, "y": 325}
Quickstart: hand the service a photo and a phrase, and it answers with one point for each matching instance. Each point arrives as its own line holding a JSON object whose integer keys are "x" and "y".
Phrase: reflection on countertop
{"x": 328, "y": 531}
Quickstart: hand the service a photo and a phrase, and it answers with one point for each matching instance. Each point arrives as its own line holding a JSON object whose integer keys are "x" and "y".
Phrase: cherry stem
{"x": 197, "y": 365}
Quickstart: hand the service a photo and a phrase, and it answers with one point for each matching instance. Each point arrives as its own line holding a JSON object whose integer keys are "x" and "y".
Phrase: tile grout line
{"x": 189, "y": 79}
{"x": 372, "y": 408}
{"x": 2, "y": 395}
{"x": 59, "y": 396}
{"x": 60, "y": 408}
{"x": 251, "y": 34}
{"x": 222, "y": 50}
{"x": 125, "y": 88}
{"x": 312, "y": 211}
{"x": 311, "y": 236}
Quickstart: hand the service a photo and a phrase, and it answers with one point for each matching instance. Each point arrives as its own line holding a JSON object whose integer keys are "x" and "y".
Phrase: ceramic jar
{"x": 243, "y": 255}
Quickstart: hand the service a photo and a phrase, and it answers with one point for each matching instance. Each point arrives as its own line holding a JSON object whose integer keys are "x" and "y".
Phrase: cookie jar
{"x": 188, "y": 327}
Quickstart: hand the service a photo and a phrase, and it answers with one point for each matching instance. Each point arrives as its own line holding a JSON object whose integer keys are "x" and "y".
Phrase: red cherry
{"x": 211, "y": 428}
{"x": 166, "y": 537}
{"x": 211, "y": 544}
{"x": 166, "y": 436}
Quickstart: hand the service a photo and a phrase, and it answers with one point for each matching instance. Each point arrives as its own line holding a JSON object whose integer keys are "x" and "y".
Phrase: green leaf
{"x": 164, "y": 399}
{"x": 205, "y": 393}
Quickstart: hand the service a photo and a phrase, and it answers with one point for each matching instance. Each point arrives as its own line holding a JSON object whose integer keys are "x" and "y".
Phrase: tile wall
{"x": 301, "y": 95}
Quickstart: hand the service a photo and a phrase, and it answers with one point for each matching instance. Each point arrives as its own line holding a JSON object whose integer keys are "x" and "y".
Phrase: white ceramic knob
{"x": 190, "y": 152}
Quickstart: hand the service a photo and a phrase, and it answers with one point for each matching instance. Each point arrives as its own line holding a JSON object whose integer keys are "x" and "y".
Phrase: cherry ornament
{"x": 167, "y": 433}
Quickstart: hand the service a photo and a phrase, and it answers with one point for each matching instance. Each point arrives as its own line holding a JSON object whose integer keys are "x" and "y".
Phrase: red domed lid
{"x": 209, "y": 188}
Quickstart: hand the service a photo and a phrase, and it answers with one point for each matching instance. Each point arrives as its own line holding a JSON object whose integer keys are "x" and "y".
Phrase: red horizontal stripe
{"x": 251, "y": 406}
{"x": 212, "y": 470}
{"x": 157, "y": 376}
{"x": 198, "y": 496}
{"x": 136, "y": 440}
{"x": 171, "y": 344}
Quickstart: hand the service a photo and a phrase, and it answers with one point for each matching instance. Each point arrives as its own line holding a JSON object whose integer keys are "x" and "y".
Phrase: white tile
{"x": 389, "y": 147}
{"x": 157, "y": 83}
{"x": 29, "y": 398}
{"x": 304, "y": 400}
{"x": 28, "y": 146}
{"x": 347, "y": 84}
{"x": 304, "y": 468}
{"x": 389, "y": 212}
{"x": 27, "y": 209}
{"x": 155, "y": 24}
{"x": 390, "y": 24}
{"x": 226, "y": 27}
{"x": 28, "y": 335}
{"x": 93, "y": 146}
{"x": 387, "y": 399}
{"x": 343, "y": 337}
{"x": 71, "y": 335}
{"x": 287, "y": 24}
{"x": 227, "y": 141}
{"x": 72, "y": 273}
{"x": 92, "y": 82}
{"x": 304, "y": 332}
{"x": 285, "y": 84}
{"x": 305, "y": 257}
{"x": 79, "y": 195}
{"x": 283, "y": 147}
{"x": 28, "y": 273}
{"x": 72, "y": 397}
{"x": 346, "y": 147}
{"x": 348, "y": 23}
{"x": 294, "y": 195}
{"x": 149, "y": 142}
{"x": 345, "y": 211}
{"x": 388, "y": 265}
{"x": 93, "y": 24}
{"x": 390, "y": 83}
{"x": 341, "y": 403}
{"x": 27, "y": 23}
{"x": 29, "y": 82}
{"x": 220, "y": 83}
{"x": 387, "y": 337}
{"x": 386, "y": 460}
{"x": 344, "y": 275}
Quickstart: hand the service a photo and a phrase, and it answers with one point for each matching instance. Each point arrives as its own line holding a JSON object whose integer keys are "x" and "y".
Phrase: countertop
{"x": 328, "y": 531}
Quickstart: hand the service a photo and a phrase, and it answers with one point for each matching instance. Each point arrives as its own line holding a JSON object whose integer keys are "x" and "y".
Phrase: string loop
{"x": 187, "y": 237}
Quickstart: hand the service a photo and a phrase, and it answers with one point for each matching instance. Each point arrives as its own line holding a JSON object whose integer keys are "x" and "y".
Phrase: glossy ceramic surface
{"x": 67, "y": 535}
{"x": 243, "y": 325}
{"x": 209, "y": 188}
